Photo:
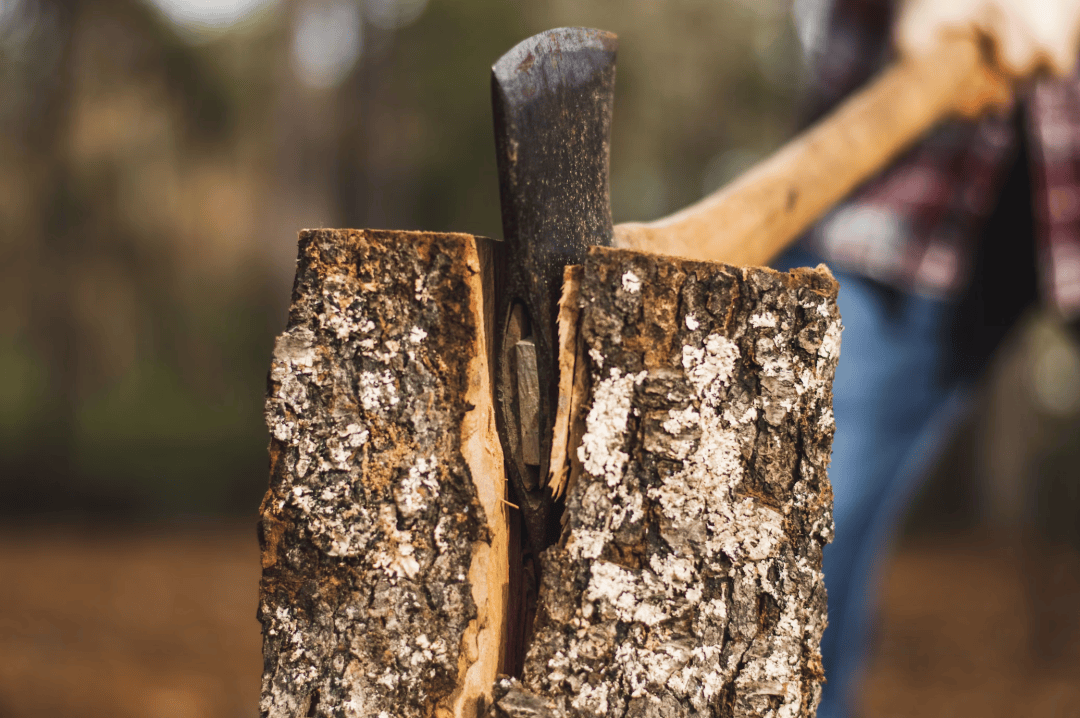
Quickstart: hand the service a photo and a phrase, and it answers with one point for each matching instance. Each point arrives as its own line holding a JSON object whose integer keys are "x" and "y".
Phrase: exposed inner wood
{"x": 579, "y": 397}
{"x": 521, "y": 559}
{"x": 528, "y": 396}
{"x": 568, "y": 323}
{"x": 482, "y": 644}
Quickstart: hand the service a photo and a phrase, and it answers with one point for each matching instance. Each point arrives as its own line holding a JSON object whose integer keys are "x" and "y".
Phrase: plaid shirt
{"x": 914, "y": 227}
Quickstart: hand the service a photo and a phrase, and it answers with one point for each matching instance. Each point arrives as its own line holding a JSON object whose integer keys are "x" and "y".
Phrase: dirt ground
{"x": 955, "y": 637}
{"x": 153, "y": 623}
{"x": 160, "y": 623}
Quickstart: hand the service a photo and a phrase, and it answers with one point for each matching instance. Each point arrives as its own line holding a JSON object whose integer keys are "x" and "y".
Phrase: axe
{"x": 552, "y": 96}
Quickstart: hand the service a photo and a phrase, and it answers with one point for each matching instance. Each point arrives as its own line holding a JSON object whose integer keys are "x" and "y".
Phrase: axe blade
{"x": 552, "y": 96}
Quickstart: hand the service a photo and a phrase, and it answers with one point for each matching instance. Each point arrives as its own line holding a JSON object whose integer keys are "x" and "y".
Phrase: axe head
{"x": 552, "y": 95}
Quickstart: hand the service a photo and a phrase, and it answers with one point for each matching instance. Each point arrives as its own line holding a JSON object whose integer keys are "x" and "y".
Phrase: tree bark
{"x": 383, "y": 533}
{"x": 687, "y": 580}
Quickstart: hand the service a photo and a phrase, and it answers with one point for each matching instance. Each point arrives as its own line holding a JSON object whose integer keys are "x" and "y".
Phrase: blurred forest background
{"x": 157, "y": 158}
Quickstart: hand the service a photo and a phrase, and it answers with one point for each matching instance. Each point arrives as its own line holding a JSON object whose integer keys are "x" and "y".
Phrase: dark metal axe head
{"x": 552, "y": 95}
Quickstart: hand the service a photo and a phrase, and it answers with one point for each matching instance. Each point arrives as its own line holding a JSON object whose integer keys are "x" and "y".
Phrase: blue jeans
{"x": 896, "y": 402}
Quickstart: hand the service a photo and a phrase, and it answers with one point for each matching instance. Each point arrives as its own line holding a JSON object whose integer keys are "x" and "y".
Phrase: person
{"x": 936, "y": 258}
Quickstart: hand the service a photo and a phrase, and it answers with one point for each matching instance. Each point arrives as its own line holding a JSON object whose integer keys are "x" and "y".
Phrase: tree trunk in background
{"x": 688, "y": 577}
{"x": 368, "y": 172}
{"x": 52, "y": 327}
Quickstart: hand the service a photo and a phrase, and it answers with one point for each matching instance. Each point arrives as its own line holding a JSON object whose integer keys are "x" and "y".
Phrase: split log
{"x": 688, "y": 577}
{"x": 383, "y": 532}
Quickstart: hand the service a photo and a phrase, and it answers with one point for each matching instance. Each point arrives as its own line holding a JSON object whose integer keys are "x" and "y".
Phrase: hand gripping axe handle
{"x": 553, "y": 96}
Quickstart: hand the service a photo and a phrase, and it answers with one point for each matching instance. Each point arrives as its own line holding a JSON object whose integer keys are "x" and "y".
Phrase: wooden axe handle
{"x": 761, "y": 213}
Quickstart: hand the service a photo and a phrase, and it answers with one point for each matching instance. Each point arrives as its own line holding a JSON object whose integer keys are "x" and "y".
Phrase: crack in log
{"x": 687, "y": 576}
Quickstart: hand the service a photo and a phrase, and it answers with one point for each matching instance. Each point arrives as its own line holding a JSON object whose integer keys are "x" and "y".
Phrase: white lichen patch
{"x": 294, "y": 659}
{"x": 830, "y": 345}
{"x": 681, "y": 419}
{"x": 588, "y": 543}
{"x": 763, "y": 319}
{"x": 416, "y": 489}
{"x": 704, "y": 490}
{"x": 354, "y": 435}
{"x": 601, "y": 451}
{"x": 592, "y": 699}
{"x": 340, "y": 293}
{"x": 601, "y": 454}
{"x": 749, "y": 532}
{"x": 377, "y": 390}
{"x": 827, "y": 422}
{"x": 631, "y": 282}
{"x": 709, "y": 367}
{"x": 773, "y": 668}
{"x": 615, "y": 588}
{"x": 294, "y": 351}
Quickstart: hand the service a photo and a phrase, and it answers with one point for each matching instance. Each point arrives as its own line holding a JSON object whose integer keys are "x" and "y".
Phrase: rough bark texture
{"x": 688, "y": 579}
{"x": 383, "y": 533}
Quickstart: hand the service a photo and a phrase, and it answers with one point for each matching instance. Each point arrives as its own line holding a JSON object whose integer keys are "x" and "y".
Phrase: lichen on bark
{"x": 688, "y": 579}
{"x": 374, "y": 519}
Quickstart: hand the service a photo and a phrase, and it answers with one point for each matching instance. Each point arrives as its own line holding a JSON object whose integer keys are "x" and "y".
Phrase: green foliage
{"x": 168, "y": 446}
{"x": 23, "y": 384}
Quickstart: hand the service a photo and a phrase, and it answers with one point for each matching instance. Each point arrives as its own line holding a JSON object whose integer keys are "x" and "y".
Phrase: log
{"x": 687, "y": 580}
{"x": 383, "y": 532}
